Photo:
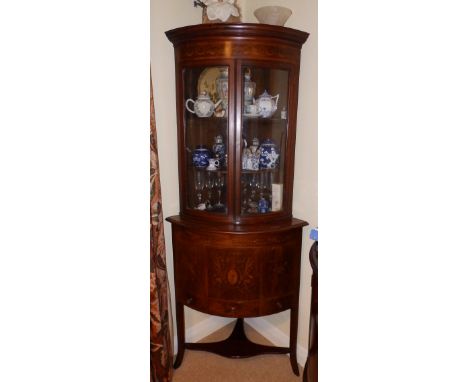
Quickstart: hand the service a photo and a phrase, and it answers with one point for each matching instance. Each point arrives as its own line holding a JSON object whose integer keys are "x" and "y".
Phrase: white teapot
{"x": 203, "y": 107}
{"x": 266, "y": 104}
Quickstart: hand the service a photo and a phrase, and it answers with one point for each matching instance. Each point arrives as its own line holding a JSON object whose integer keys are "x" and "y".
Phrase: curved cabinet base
{"x": 231, "y": 272}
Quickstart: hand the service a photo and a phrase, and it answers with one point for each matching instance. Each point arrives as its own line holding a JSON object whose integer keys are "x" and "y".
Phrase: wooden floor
{"x": 201, "y": 366}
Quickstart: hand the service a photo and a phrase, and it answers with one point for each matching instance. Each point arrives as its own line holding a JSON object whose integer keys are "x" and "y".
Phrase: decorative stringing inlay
{"x": 262, "y": 50}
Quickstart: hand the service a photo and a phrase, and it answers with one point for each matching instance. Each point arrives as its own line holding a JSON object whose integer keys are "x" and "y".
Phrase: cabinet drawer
{"x": 233, "y": 308}
{"x": 276, "y": 305}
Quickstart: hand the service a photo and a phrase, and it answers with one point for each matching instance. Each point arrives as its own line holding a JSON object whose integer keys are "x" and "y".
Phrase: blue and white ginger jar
{"x": 200, "y": 156}
{"x": 269, "y": 154}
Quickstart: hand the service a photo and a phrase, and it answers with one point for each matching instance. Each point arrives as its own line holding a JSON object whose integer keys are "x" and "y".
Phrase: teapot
{"x": 203, "y": 107}
{"x": 266, "y": 104}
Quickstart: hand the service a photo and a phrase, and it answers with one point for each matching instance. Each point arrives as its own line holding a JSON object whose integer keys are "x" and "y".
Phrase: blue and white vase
{"x": 269, "y": 154}
{"x": 219, "y": 150}
{"x": 201, "y": 156}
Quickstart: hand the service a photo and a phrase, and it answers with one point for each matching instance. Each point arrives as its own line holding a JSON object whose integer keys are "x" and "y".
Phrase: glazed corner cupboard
{"x": 237, "y": 248}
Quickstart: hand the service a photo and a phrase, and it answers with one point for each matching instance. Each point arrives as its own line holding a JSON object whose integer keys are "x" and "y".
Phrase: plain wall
{"x": 304, "y": 17}
{"x": 166, "y": 16}
{"x": 178, "y": 13}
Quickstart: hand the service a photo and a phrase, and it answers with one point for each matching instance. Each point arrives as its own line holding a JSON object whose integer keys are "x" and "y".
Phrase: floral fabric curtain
{"x": 160, "y": 330}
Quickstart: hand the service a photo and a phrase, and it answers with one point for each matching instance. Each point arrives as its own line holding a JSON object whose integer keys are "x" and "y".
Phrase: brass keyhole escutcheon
{"x": 232, "y": 277}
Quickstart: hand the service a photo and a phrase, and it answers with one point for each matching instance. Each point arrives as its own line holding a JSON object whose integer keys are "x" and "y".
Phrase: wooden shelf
{"x": 210, "y": 171}
{"x": 259, "y": 171}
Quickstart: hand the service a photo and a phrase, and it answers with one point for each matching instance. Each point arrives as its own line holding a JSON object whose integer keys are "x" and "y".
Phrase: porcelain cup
{"x": 213, "y": 164}
{"x": 252, "y": 109}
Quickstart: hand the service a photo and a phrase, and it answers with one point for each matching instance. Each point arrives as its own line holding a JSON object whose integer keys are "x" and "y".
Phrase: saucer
{"x": 251, "y": 115}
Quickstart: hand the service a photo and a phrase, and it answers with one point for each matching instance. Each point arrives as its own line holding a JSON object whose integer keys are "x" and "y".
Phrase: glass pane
{"x": 206, "y": 134}
{"x": 264, "y": 133}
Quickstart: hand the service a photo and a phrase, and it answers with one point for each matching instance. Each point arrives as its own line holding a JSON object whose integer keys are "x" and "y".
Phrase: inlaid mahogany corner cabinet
{"x": 237, "y": 248}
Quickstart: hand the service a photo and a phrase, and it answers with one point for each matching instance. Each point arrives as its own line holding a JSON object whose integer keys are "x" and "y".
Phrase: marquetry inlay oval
{"x": 232, "y": 277}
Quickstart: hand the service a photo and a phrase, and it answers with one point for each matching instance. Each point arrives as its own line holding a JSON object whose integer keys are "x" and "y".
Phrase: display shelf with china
{"x": 237, "y": 247}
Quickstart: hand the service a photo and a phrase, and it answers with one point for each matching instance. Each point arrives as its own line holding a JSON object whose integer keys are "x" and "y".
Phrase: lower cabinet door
{"x": 237, "y": 275}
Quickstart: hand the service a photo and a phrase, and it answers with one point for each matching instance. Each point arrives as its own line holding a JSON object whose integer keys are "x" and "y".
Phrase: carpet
{"x": 200, "y": 366}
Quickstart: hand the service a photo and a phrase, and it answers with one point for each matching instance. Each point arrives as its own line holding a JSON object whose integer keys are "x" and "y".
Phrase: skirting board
{"x": 267, "y": 330}
{"x": 204, "y": 328}
{"x": 276, "y": 336}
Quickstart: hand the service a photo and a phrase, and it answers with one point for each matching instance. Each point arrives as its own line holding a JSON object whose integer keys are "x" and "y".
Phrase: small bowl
{"x": 272, "y": 15}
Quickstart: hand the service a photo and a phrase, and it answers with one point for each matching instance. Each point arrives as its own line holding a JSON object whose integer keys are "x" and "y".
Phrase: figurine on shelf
{"x": 222, "y": 87}
{"x": 249, "y": 91}
{"x": 284, "y": 113}
{"x": 251, "y": 156}
{"x": 262, "y": 205}
{"x": 219, "y": 151}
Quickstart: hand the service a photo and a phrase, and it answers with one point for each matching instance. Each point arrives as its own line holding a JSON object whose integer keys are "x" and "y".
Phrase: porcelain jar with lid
{"x": 269, "y": 155}
{"x": 201, "y": 156}
{"x": 203, "y": 107}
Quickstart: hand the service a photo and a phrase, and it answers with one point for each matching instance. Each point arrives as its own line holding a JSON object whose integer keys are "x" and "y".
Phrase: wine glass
{"x": 261, "y": 184}
{"x": 253, "y": 186}
{"x": 219, "y": 185}
{"x": 245, "y": 203}
{"x": 267, "y": 186}
{"x": 209, "y": 185}
{"x": 199, "y": 187}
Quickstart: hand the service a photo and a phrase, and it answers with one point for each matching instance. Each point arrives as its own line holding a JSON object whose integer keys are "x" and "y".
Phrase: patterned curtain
{"x": 160, "y": 331}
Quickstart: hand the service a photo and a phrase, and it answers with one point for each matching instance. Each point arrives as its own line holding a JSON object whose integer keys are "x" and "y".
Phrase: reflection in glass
{"x": 249, "y": 91}
{"x": 222, "y": 86}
